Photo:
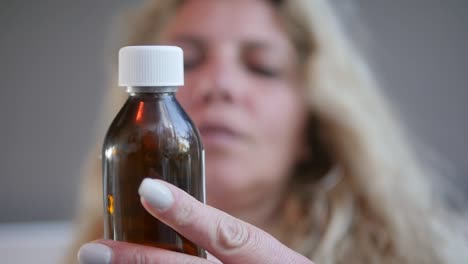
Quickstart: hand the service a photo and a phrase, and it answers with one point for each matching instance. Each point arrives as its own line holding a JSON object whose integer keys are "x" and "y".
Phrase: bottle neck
{"x": 151, "y": 89}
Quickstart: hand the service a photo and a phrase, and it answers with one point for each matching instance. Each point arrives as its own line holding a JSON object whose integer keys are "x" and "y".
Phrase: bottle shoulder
{"x": 153, "y": 119}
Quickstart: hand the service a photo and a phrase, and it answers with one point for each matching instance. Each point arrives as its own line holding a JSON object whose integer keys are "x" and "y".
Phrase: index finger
{"x": 227, "y": 238}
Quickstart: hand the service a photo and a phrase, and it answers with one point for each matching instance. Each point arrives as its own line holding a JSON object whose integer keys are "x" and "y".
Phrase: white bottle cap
{"x": 151, "y": 66}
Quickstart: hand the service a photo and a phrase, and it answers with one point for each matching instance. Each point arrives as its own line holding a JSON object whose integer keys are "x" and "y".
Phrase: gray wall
{"x": 54, "y": 61}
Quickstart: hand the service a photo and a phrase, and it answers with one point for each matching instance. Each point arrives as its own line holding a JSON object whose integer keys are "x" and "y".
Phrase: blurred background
{"x": 55, "y": 60}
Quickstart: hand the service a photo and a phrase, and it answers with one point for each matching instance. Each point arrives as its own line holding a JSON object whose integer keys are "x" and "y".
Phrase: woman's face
{"x": 241, "y": 91}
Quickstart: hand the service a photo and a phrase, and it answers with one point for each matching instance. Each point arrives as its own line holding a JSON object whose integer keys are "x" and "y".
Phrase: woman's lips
{"x": 219, "y": 135}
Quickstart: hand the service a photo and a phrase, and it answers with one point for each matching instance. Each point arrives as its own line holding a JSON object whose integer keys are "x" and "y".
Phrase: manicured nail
{"x": 156, "y": 194}
{"x": 94, "y": 253}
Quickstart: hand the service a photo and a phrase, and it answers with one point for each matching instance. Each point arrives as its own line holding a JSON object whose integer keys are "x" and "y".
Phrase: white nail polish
{"x": 94, "y": 253}
{"x": 156, "y": 194}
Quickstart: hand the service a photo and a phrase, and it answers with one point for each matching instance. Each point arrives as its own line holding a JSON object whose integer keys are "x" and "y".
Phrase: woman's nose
{"x": 220, "y": 80}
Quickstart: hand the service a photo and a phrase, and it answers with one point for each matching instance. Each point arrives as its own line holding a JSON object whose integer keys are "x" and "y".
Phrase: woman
{"x": 302, "y": 151}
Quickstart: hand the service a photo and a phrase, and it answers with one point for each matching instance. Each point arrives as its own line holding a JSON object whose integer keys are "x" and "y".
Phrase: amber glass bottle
{"x": 152, "y": 137}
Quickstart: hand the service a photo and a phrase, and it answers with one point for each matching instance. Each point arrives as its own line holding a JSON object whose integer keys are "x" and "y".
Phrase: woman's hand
{"x": 228, "y": 239}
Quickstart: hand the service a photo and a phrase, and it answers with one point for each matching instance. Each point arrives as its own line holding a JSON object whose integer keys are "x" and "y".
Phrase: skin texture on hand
{"x": 228, "y": 239}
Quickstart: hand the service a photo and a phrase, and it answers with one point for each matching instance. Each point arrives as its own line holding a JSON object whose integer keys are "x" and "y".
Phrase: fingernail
{"x": 156, "y": 194}
{"x": 94, "y": 253}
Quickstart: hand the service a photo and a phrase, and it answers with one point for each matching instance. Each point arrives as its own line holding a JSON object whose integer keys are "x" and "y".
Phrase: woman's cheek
{"x": 283, "y": 121}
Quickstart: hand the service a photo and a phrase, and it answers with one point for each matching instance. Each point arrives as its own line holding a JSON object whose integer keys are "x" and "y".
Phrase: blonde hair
{"x": 376, "y": 205}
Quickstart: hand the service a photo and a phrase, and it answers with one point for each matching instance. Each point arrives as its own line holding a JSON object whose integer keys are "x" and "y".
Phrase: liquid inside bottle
{"x": 151, "y": 137}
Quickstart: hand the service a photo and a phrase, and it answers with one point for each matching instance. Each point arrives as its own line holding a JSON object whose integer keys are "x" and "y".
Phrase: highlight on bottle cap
{"x": 151, "y": 66}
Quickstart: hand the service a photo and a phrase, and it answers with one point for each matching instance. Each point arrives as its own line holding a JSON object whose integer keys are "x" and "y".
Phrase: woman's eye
{"x": 190, "y": 64}
{"x": 194, "y": 52}
{"x": 264, "y": 71}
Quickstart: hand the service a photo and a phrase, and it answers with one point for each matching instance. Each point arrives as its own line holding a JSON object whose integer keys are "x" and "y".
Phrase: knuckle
{"x": 232, "y": 235}
{"x": 184, "y": 214}
{"x": 139, "y": 256}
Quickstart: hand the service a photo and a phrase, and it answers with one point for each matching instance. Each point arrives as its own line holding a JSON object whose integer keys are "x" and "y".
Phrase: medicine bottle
{"x": 151, "y": 137}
